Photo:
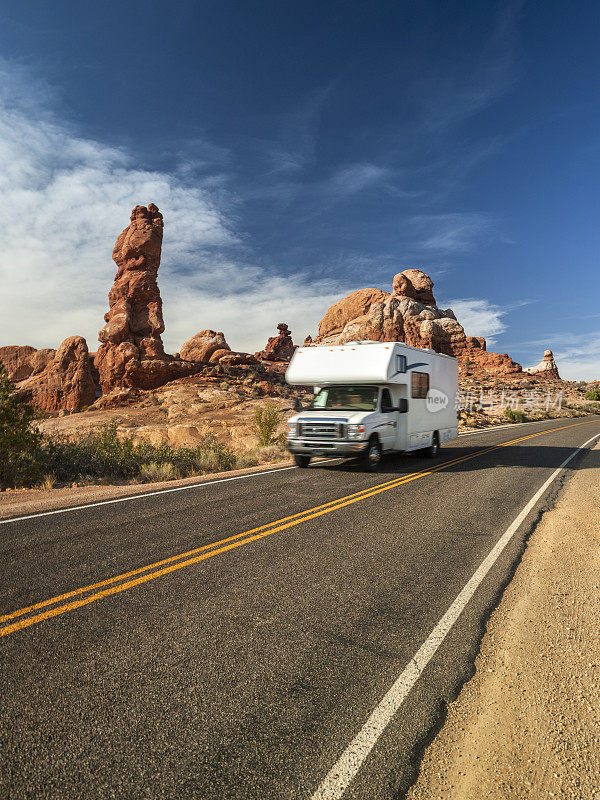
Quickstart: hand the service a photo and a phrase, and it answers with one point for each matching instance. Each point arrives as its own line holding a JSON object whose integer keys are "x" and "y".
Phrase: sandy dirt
{"x": 527, "y": 725}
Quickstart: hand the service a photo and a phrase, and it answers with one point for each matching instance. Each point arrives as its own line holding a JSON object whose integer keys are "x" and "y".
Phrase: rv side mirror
{"x": 403, "y": 405}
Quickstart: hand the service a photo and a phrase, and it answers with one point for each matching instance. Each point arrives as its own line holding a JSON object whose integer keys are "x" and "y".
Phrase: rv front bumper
{"x": 305, "y": 447}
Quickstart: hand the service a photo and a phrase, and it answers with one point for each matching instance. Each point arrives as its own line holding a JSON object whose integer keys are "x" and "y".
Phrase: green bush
{"x": 19, "y": 440}
{"x": 593, "y": 394}
{"x": 514, "y": 416}
{"x": 266, "y": 422}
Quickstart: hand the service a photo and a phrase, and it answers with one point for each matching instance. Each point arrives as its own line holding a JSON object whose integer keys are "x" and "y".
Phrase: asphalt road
{"x": 244, "y": 669}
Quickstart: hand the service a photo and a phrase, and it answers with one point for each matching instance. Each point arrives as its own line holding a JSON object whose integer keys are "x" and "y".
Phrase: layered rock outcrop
{"x": 207, "y": 347}
{"x": 131, "y": 352}
{"x": 21, "y": 362}
{"x": 409, "y": 314}
{"x": 66, "y": 382}
{"x": 280, "y": 347}
{"x": 546, "y": 368}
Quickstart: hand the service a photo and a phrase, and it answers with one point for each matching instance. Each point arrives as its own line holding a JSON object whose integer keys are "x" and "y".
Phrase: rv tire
{"x": 371, "y": 458}
{"x": 434, "y": 448}
{"x": 302, "y": 461}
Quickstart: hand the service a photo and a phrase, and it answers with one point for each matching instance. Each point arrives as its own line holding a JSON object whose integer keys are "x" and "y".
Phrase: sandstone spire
{"x": 546, "y": 368}
{"x": 131, "y": 351}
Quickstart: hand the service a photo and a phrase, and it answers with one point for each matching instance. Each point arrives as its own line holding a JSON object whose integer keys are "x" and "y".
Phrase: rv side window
{"x": 400, "y": 363}
{"x": 419, "y": 385}
{"x": 386, "y": 402}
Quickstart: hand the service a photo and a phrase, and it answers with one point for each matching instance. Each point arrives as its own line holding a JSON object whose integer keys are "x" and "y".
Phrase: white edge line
{"x": 499, "y": 427}
{"x": 140, "y": 496}
{"x": 351, "y": 760}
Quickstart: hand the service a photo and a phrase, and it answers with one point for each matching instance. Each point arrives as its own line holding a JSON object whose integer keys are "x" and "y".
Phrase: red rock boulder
{"x": 409, "y": 314}
{"x": 205, "y": 347}
{"x": 280, "y": 347}
{"x": 66, "y": 383}
{"x": 22, "y": 362}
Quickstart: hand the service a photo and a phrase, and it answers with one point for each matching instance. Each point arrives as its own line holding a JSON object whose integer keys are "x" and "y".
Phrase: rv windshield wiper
{"x": 340, "y": 408}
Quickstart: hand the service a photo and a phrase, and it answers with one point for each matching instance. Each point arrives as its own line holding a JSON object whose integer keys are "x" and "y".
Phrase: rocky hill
{"x": 131, "y": 360}
{"x": 410, "y": 314}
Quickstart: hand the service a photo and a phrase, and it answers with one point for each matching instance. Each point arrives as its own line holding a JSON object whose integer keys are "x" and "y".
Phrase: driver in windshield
{"x": 341, "y": 400}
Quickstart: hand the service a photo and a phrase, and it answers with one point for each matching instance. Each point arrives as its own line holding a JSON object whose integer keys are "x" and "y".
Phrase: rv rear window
{"x": 419, "y": 385}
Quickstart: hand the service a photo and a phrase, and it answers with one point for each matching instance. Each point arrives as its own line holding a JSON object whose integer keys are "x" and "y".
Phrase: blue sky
{"x": 300, "y": 151}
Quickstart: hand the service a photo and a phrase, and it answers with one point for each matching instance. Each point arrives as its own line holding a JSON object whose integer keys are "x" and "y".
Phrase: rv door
{"x": 388, "y": 427}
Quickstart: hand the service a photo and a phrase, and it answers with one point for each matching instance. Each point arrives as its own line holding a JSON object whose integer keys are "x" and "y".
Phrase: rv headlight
{"x": 356, "y": 431}
{"x": 292, "y": 430}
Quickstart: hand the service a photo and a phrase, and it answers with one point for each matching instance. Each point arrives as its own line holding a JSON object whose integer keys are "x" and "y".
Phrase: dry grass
{"x": 49, "y": 481}
{"x": 153, "y": 472}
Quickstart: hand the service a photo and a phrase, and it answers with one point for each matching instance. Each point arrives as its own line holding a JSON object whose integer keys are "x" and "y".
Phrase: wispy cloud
{"x": 478, "y": 317}
{"x": 65, "y": 199}
{"x": 294, "y": 150}
{"x": 452, "y": 232}
{"x": 449, "y": 97}
{"x": 351, "y": 179}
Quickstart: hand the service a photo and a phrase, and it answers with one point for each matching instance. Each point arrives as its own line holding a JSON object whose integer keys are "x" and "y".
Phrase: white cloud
{"x": 478, "y": 317}
{"x": 354, "y": 178}
{"x": 577, "y": 355}
{"x": 452, "y": 232}
{"x": 65, "y": 198}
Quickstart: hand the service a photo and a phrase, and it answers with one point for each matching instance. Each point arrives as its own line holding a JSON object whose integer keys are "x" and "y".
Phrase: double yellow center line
{"x": 127, "y": 580}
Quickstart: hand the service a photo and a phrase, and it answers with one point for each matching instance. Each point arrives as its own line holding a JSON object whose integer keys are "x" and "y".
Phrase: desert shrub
{"x": 153, "y": 472}
{"x": 514, "y": 416}
{"x": 249, "y": 459}
{"x": 20, "y": 458}
{"x": 590, "y": 408}
{"x": 270, "y": 452}
{"x": 104, "y": 455}
{"x": 98, "y": 455}
{"x": 266, "y": 422}
{"x": 48, "y": 482}
{"x": 593, "y": 394}
{"x": 28, "y": 458}
{"x": 209, "y": 461}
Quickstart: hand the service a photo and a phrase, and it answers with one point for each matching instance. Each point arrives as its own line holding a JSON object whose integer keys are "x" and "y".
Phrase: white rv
{"x": 372, "y": 398}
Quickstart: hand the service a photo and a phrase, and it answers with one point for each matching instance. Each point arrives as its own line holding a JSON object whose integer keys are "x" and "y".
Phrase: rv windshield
{"x": 346, "y": 398}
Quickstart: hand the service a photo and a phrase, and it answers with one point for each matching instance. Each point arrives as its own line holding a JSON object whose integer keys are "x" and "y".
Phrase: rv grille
{"x": 322, "y": 430}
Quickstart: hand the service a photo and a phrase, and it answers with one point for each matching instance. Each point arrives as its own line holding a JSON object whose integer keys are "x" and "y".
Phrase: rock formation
{"x": 546, "y": 368}
{"x": 66, "y": 382}
{"x": 21, "y": 362}
{"x": 409, "y": 314}
{"x": 280, "y": 347}
{"x": 131, "y": 352}
{"x": 207, "y": 347}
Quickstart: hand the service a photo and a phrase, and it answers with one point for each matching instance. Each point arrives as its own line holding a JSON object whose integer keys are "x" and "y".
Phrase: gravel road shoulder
{"x": 527, "y": 725}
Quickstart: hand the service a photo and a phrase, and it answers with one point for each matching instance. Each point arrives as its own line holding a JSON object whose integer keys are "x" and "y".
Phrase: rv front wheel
{"x": 371, "y": 458}
{"x": 302, "y": 461}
